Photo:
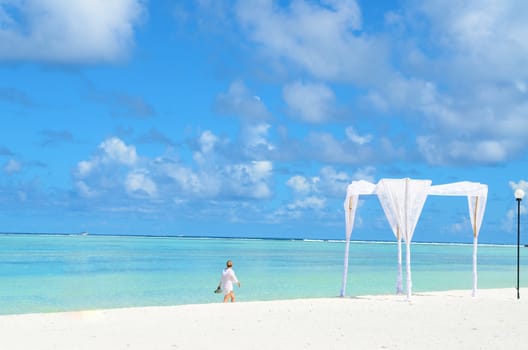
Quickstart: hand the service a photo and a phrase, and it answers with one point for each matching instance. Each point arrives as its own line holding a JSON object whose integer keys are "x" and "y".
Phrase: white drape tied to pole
{"x": 393, "y": 222}
{"x": 402, "y": 201}
{"x": 477, "y": 195}
{"x": 351, "y": 201}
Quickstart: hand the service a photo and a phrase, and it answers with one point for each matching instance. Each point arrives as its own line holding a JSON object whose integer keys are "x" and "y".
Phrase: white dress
{"x": 227, "y": 280}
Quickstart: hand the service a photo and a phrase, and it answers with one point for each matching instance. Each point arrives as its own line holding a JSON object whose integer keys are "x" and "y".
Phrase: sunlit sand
{"x": 494, "y": 319}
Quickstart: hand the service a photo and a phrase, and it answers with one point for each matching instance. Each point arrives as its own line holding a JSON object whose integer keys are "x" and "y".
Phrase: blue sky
{"x": 249, "y": 118}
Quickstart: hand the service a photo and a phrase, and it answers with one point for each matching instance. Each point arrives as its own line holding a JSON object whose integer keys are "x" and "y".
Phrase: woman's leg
{"x": 230, "y": 295}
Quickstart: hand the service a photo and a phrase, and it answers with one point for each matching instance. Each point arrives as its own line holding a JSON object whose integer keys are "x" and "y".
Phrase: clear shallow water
{"x": 44, "y": 273}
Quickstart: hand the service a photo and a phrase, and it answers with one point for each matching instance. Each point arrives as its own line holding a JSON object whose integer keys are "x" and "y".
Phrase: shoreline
{"x": 453, "y": 319}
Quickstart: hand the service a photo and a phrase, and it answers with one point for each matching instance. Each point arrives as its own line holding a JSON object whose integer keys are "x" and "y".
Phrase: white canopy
{"x": 402, "y": 201}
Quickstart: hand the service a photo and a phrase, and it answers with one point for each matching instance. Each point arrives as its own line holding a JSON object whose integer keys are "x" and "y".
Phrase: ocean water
{"x": 46, "y": 273}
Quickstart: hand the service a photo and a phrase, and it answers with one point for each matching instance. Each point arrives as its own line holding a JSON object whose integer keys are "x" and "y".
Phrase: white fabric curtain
{"x": 350, "y": 214}
{"x": 384, "y": 198}
{"x": 351, "y": 201}
{"x": 402, "y": 201}
{"x": 477, "y": 195}
{"x": 477, "y": 206}
{"x": 399, "y": 278}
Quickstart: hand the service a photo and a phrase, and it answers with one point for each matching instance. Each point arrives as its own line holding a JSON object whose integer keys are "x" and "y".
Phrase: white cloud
{"x": 74, "y": 31}
{"x": 255, "y": 139}
{"x": 241, "y": 102}
{"x": 85, "y": 190}
{"x": 521, "y": 86}
{"x": 313, "y": 193}
{"x": 325, "y": 147}
{"x": 140, "y": 182}
{"x": 463, "y": 80}
{"x": 261, "y": 169}
{"x": 101, "y": 172}
{"x": 353, "y": 136}
{"x": 84, "y": 168}
{"x": 442, "y": 151}
{"x": 430, "y": 150}
{"x": 485, "y": 39}
{"x": 249, "y": 180}
{"x": 333, "y": 183}
{"x": 12, "y": 166}
{"x": 484, "y": 151}
{"x": 401, "y": 93}
{"x": 261, "y": 190}
{"x": 115, "y": 150}
{"x": 329, "y": 183}
{"x": 309, "y": 203}
{"x": 302, "y": 185}
{"x": 480, "y": 126}
{"x": 455, "y": 78}
{"x": 116, "y": 170}
{"x": 187, "y": 180}
{"x": 251, "y": 110}
{"x": 366, "y": 173}
{"x": 461, "y": 226}
{"x": 313, "y": 103}
{"x": 216, "y": 176}
{"x": 207, "y": 141}
{"x": 522, "y": 184}
{"x": 319, "y": 38}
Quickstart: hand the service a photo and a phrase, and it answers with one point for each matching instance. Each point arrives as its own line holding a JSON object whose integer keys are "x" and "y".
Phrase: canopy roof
{"x": 402, "y": 201}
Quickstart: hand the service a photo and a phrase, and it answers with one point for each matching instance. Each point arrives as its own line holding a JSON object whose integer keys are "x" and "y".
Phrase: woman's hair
{"x": 229, "y": 263}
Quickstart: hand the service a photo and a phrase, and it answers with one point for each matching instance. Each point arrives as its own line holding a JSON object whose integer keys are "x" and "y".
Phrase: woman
{"x": 226, "y": 282}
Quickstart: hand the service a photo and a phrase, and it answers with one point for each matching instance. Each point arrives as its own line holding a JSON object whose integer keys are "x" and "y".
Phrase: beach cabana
{"x": 402, "y": 201}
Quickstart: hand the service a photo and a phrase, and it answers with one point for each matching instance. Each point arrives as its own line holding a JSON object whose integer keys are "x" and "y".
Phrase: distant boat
{"x": 84, "y": 233}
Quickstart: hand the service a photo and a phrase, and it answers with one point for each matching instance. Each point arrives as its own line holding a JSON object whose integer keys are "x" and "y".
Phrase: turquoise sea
{"x": 45, "y": 273}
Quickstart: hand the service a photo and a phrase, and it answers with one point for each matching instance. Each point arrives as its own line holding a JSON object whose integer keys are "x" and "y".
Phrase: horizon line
{"x": 306, "y": 239}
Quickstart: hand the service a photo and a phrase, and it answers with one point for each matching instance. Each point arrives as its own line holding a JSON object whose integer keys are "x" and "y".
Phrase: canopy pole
{"x": 345, "y": 269}
{"x": 475, "y": 244}
{"x": 408, "y": 242}
{"x": 408, "y": 263}
{"x": 399, "y": 287}
{"x": 475, "y": 277}
{"x": 348, "y": 232}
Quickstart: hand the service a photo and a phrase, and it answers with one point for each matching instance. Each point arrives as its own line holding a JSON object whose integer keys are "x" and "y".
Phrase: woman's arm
{"x": 235, "y": 279}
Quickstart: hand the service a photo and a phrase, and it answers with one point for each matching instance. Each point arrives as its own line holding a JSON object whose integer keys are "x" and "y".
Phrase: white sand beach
{"x": 494, "y": 319}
